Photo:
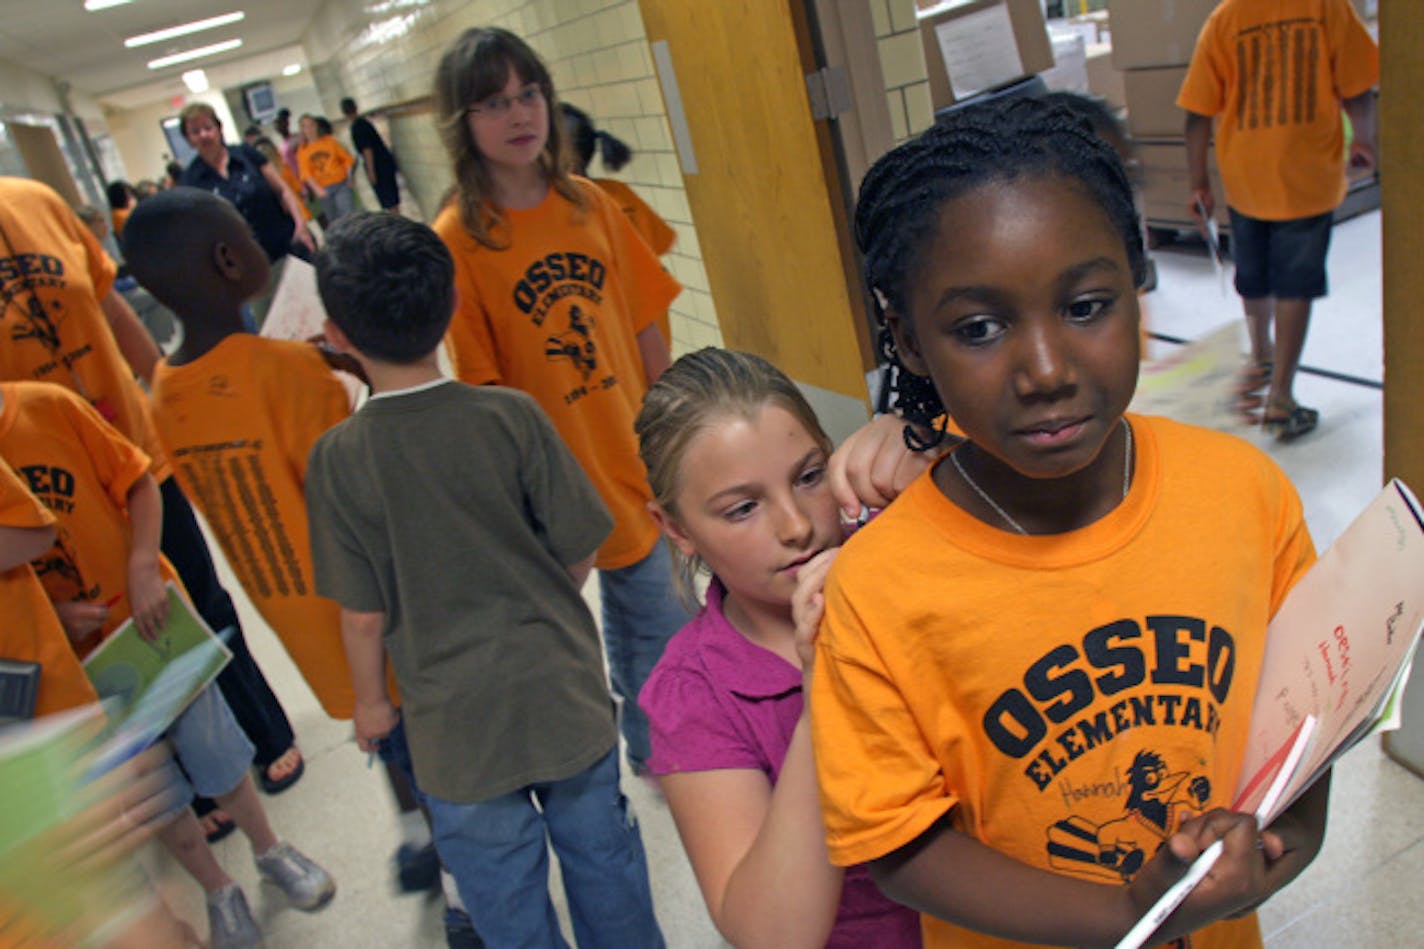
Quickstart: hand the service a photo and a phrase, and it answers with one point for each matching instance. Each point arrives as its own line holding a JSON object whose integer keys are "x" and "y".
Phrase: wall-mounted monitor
{"x": 260, "y": 101}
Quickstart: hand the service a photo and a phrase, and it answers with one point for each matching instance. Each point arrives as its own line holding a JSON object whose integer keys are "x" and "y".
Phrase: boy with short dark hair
{"x": 455, "y": 530}
{"x": 238, "y": 415}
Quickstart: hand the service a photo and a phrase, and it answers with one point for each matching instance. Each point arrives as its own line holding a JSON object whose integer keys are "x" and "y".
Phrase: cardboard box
{"x": 1069, "y": 72}
{"x": 977, "y": 46}
{"x": 1148, "y": 33}
{"x": 1166, "y": 184}
{"x": 1104, "y": 79}
{"x": 1152, "y": 102}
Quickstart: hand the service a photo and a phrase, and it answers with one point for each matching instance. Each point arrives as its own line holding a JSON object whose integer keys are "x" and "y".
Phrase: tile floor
{"x": 1361, "y": 892}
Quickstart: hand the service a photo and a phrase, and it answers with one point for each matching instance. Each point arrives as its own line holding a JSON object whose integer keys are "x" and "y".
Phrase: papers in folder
{"x": 1338, "y": 653}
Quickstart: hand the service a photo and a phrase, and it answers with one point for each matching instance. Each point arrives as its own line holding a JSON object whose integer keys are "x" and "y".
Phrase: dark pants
{"x": 257, "y": 710}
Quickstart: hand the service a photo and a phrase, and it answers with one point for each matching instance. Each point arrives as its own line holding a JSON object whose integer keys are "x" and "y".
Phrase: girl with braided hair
{"x": 1061, "y": 594}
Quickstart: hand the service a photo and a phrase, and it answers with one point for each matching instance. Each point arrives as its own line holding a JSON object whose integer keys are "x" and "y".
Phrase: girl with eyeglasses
{"x": 557, "y": 295}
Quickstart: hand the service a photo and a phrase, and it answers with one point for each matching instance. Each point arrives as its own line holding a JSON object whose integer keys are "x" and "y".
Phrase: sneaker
{"x": 230, "y": 922}
{"x": 460, "y": 931}
{"x": 307, "y": 885}
{"x": 417, "y": 868}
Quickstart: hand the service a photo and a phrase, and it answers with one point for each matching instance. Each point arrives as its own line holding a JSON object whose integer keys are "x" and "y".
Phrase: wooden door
{"x": 766, "y": 202}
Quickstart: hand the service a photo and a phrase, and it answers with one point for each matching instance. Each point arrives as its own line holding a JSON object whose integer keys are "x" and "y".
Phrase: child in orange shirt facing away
{"x": 1035, "y": 673}
{"x": 104, "y": 567}
{"x": 325, "y": 167}
{"x": 238, "y": 415}
{"x": 558, "y": 296}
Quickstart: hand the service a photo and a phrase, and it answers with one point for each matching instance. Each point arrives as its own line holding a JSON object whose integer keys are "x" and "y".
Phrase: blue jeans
{"x": 640, "y": 614}
{"x": 498, "y": 854}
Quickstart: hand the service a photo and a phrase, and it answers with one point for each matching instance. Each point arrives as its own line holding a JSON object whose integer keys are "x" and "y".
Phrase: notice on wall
{"x": 979, "y": 50}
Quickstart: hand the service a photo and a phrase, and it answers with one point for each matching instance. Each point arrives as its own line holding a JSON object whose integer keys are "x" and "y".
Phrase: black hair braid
{"x": 901, "y": 196}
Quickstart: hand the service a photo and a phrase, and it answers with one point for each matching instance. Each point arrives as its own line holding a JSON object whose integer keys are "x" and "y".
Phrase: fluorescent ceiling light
{"x": 197, "y": 26}
{"x": 196, "y": 80}
{"x": 292, "y": 70}
{"x": 191, "y": 54}
{"x": 104, "y": 4}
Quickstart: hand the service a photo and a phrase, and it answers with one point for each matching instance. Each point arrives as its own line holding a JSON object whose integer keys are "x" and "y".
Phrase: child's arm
{"x": 1361, "y": 110}
{"x": 1198, "y": 135}
{"x": 947, "y": 874}
{"x": 654, "y": 351}
{"x": 138, "y": 348}
{"x": 292, "y": 203}
{"x": 374, "y": 716}
{"x": 148, "y": 600}
{"x": 20, "y": 545}
{"x": 759, "y": 851}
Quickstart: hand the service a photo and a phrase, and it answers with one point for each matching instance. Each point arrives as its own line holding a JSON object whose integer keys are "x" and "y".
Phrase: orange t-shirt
{"x": 54, "y": 273}
{"x": 1273, "y": 74}
{"x": 290, "y": 177}
{"x": 29, "y": 630}
{"x": 239, "y": 423}
{"x": 324, "y": 161}
{"x": 1068, "y": 699}
{"x": 557, "y": 313}
{"x": 82, "y": 469}
{"x": 651, "y": 228}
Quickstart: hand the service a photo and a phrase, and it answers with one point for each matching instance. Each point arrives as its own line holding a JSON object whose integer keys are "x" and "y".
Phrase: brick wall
{"x": 597, "y": 52}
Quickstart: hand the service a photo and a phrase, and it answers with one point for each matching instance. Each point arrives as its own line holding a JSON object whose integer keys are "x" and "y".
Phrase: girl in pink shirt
{"x": 737, "y": 464}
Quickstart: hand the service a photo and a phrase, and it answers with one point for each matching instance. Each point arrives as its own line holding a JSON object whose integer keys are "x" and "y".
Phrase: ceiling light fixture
{"x": 197, "y": 26}
{"x": 292, "y": 70}
{"x": 196, "y": 80}
{"x": 191, "y": 54}
{"x": 92, "y": 5}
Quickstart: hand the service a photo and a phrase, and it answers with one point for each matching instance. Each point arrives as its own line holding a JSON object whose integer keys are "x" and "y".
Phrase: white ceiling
{"x": 59, "y": 38}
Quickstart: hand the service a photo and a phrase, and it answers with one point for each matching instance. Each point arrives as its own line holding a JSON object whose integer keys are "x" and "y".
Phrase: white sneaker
{"x": 306, "y": 884}
{"x": 230, "y": 922}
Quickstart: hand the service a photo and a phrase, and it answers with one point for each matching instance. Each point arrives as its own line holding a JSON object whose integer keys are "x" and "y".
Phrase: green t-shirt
{"x": 455, "y": 511}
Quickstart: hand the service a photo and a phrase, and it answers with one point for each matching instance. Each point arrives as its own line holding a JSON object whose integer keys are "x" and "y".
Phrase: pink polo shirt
{"x": 716, "y": 700}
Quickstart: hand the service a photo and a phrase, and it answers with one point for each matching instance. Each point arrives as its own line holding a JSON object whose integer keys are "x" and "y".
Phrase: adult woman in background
{"x": 245, "y": 177}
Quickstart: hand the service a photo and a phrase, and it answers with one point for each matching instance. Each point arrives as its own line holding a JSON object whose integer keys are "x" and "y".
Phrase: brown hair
{"x": 695, "y": 392}
{"x": 194, "y": 109}
{"x": 475, "y": 67}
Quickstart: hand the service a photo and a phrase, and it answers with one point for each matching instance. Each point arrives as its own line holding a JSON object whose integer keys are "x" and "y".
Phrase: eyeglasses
{"x": 498, "y": 105}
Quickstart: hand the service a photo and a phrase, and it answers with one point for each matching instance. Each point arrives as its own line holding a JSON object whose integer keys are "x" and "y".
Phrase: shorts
{"x": 211, "y": 752}
{"x": 1281, "y": 259}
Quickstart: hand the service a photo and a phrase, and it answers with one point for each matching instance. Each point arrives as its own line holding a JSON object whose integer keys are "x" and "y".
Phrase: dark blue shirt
{"x": 249, "y": 191}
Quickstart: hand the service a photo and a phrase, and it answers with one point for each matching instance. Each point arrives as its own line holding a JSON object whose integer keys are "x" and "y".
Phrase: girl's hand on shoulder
{"x": 1235, "y": 884}
{"x": 808, "y": 604}
{"x": 873, "y": 465}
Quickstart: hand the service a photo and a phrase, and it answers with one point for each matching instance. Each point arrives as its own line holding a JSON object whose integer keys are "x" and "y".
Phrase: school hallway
{"x": 1361, "y": 892}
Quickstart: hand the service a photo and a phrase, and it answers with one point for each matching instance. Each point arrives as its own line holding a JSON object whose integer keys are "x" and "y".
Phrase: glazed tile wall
{"x": 902, "y": 63}
{"x": 597, "y": 51}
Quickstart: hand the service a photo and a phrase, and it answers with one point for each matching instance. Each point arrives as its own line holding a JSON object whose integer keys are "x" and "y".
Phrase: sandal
{"x": 277, "y": 785}
{"x": 1296, "y": 421}
{"x": 216, "y": 825}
